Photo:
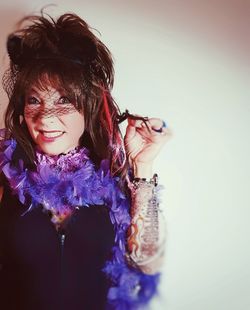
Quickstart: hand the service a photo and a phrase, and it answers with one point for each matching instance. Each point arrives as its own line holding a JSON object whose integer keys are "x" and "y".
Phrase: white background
{"x": 186, "y": 62}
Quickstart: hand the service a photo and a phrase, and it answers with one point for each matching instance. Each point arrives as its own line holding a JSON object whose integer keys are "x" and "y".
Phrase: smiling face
{"x": 53, "y": 120}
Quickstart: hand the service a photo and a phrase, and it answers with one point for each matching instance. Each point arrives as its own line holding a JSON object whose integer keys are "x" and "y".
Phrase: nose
{"x": 42, "y": 113}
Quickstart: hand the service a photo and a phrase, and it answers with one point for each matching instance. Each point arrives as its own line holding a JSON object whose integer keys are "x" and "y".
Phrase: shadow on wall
{"x": 8, "y": 20}
{"x": 221, "y": 24}
{"x": 224, "y": 24}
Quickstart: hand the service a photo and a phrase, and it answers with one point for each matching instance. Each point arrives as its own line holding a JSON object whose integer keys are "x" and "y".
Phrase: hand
{"x": 142, "y": 144}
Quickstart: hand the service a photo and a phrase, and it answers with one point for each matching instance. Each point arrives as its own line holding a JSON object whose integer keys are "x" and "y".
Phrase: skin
{"x": 143, "y": 145}
{"x": 55, "y": 132}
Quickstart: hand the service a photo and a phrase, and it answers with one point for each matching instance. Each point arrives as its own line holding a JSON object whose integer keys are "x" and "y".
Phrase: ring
{"x": 164, "y": 125}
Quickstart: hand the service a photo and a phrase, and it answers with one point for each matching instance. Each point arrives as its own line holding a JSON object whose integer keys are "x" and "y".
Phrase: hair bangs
{"x": 65, "y": 76}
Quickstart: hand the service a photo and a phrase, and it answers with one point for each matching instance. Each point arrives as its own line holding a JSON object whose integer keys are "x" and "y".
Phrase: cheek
{"x": 75, "y": 125}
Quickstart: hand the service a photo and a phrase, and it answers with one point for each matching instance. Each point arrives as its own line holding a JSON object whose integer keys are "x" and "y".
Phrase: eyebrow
{"x": 60, "y": 91}
{"x": 32, "y": 90}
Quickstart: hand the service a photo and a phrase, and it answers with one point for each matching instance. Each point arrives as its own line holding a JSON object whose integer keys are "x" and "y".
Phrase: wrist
{"x": 143, "y": 170}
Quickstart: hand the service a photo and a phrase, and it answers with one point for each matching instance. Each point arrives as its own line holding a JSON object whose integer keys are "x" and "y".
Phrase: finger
{"x": 149, "y": 135}
{"x": 156, "y": 123}
{"x": 165, "y": 134}
{"x": 153, "y": 126}
{"x": 136, "y": 119}
{"x": 167, "y": 131}
{"x": 130, "y": 132}
{"x": 135, "y": 122}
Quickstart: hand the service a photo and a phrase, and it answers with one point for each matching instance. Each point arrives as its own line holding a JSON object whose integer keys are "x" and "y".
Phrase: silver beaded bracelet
{"x": 153, "y": 180}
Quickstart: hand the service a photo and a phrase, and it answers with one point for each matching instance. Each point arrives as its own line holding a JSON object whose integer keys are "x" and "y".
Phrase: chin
{"x": 54, "y": 150}
{"x": 49, "y": 151}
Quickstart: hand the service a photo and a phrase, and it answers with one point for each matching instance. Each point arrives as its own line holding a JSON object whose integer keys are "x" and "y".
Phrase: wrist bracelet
{"x": 153, "y": 180}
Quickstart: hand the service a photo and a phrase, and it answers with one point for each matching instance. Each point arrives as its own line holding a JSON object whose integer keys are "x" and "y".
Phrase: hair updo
{"x": 65, "y": 54}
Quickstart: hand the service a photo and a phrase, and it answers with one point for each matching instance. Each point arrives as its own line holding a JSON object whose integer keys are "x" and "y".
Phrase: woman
{"x": 79, "y": 217}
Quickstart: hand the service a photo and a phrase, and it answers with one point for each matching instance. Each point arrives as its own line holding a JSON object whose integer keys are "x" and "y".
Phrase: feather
{"x": 62, "y": 183}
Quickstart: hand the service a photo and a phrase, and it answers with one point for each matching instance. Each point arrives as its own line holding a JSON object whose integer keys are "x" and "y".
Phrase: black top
{"x": 40, "y": 270}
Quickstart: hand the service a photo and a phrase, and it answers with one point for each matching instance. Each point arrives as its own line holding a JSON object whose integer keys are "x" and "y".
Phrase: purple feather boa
{"x": 64, "y": 181}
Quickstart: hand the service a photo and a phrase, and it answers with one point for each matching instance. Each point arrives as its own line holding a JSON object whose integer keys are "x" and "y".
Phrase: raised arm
{"x": 146, "y": 236}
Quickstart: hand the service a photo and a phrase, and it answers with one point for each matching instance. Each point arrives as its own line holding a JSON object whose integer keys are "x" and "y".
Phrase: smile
{"x": 50, "y": 136}
{"x": 53, "y": 134}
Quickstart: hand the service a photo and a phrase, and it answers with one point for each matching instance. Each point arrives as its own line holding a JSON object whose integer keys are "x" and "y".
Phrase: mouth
{"x": 49, "y": 136}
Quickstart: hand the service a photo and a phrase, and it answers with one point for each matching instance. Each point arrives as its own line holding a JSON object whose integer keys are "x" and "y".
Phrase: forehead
{"x": 46, "y": 91}
{"x": 45, "y": 81}
{"x": 45, "y": 84}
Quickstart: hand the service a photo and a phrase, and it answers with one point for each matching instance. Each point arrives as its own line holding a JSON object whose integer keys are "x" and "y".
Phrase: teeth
{"x": 52, "y": 134}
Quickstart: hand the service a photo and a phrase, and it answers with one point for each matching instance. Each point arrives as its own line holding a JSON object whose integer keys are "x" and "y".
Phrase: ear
{"x": 14, "y": 46}
{"x": 18, "y": 51}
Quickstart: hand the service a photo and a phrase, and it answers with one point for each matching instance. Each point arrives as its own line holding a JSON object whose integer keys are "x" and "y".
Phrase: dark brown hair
{"x": 64, "y": 53}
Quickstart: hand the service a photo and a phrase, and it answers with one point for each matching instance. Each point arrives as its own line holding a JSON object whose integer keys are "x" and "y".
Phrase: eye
{"x": 64, "y": 100}
{"x": 32, "y": 100}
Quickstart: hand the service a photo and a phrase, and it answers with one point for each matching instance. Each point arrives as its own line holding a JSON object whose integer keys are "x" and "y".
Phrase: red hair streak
{"x": 107, "y": 113}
